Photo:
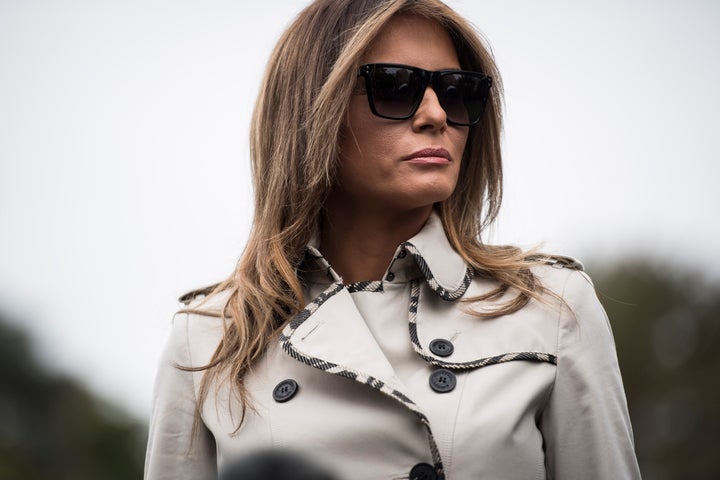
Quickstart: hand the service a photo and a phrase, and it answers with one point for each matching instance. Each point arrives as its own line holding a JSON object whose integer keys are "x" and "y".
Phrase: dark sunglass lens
{"x": 462, "y": 96}
{"x": 394, "y": 91}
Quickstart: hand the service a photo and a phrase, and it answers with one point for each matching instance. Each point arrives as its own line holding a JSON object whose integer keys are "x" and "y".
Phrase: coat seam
{"x": 557, "y": 338}
{"x": 451, "y": 450}
{"x": 551, "y": 390}
{"x": 189, "y": 356}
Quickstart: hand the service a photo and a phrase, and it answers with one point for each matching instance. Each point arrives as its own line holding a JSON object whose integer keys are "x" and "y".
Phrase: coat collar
{"x": 441, "y": 266}
{"x": 427, "y": 255}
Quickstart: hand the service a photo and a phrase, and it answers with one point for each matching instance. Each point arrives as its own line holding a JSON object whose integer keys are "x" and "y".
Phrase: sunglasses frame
{"x": 428, "y": 78}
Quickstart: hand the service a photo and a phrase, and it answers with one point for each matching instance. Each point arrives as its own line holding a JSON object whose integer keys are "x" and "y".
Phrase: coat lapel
{"x": 330, "y": 334}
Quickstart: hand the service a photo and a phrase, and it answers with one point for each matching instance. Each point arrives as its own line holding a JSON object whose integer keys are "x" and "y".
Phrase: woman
{"x": 367, "y": 327}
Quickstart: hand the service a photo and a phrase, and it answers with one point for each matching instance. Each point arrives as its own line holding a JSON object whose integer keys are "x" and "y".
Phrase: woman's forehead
{"x": 413, "y": 40}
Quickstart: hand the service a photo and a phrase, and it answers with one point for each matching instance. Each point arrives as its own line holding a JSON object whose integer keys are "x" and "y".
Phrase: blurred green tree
{"x": 51, "y": 427}
{"x": 667, "y": 333}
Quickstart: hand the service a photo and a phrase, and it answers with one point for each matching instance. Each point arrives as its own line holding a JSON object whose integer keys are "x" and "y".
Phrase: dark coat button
{"x": 442, "y": 347}
{"x": 390, "y": 277}
{"x": 402, "y": 253}
{"x": 285, "y": 390}
{"x": 442, "y": 380}
{"x": 423, "y": 471}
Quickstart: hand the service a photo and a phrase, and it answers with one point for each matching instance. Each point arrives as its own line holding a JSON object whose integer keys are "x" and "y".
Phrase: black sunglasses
{"x": 395, "y": 91}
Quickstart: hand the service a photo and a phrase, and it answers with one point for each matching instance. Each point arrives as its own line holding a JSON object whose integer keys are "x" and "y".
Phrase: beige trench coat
{"x": 532, "y": 395}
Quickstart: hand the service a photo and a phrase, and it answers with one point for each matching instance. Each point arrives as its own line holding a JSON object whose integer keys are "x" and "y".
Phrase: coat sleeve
{"x": 585, "y": 424}
{"x": 174, "y": 451}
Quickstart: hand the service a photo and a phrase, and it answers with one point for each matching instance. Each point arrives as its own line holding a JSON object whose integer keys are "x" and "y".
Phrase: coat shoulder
{"x": 558, "y": 261}
{"x": 188, "y": 297}
{"x": 208, "y": 301}
{"x": 562, "y": 274}
{"x": 197, "y": 329}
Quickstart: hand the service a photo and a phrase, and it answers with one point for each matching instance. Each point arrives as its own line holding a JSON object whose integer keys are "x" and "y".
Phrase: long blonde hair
{"x": 296, "y": 124}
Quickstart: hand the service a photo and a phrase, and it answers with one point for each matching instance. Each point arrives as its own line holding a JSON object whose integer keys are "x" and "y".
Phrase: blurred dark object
{"x": 51, "y": 427}
{"x": 275, "y": 465}
{"x": 666, "y": 323}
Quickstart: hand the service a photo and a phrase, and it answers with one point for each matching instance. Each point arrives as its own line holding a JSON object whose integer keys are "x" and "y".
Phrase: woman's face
{"x": 382, "y": 165}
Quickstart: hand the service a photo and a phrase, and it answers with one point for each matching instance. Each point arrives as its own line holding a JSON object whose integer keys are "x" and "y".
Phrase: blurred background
{"x": 124, "y": 182}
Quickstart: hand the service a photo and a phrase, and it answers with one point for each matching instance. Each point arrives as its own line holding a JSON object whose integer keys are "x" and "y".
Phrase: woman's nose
{"x": 430, "y": 114}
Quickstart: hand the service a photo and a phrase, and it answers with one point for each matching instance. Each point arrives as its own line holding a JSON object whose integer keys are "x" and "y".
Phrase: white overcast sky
{"x": 124, "y": 175}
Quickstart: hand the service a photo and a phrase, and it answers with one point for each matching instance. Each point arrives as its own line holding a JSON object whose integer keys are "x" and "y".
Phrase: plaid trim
{"x": 478, "y": 363}
{"x": 442, "y": 292}
{"x": 353, "y": 374}
{"x": 374, "y": 286}
{"x": 558, "y": 261}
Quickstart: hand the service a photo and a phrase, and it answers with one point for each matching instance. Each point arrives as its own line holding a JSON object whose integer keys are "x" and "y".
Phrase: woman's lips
{"x": 429, "y": 156}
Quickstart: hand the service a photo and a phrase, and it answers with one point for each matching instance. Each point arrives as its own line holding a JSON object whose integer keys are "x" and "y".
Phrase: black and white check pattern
{"x": 374, "y": 286}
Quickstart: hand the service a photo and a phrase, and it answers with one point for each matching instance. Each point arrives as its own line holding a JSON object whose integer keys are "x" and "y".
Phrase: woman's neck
{"x": 360, "y": 243}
